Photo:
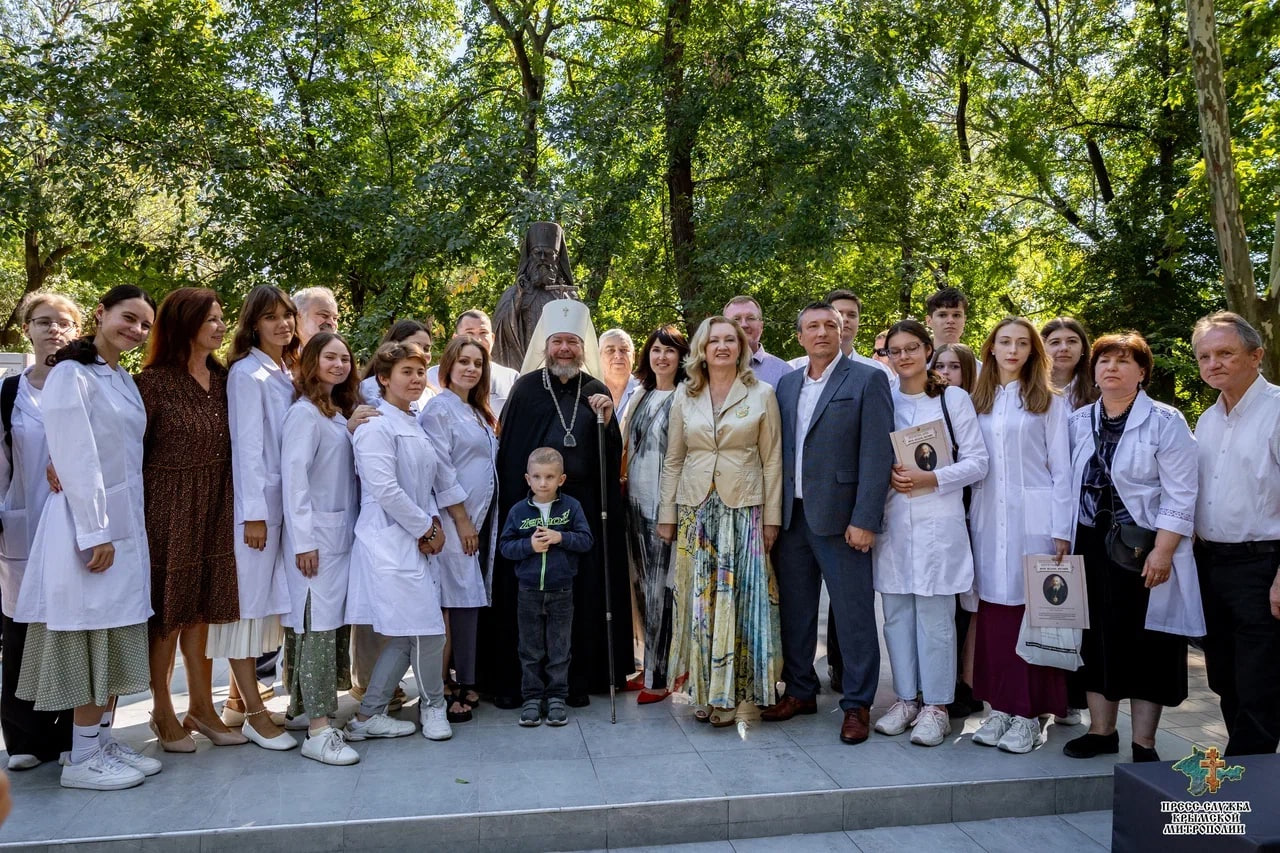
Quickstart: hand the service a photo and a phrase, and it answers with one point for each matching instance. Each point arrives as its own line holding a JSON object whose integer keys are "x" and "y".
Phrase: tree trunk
{"x": 1224, "y": 190}
{"x": 681, "y": 131}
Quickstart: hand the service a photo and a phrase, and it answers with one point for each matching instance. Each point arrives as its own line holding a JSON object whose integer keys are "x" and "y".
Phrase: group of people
{"x": 495, "y": 530}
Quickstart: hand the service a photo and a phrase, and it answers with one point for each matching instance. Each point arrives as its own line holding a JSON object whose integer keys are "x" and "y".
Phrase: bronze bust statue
{"x": 544, "y": 275}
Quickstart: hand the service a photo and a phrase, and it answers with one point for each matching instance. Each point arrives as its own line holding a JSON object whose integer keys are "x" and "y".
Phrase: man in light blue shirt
{"x": 745, "y": 311}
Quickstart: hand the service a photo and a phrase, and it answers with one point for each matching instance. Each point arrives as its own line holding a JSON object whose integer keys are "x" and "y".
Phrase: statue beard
{"x": 546, "y": 275}
{"x": 565, "y": 372}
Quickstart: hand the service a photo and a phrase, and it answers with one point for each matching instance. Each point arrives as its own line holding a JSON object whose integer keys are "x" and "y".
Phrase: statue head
{"x": 544, "y": 260}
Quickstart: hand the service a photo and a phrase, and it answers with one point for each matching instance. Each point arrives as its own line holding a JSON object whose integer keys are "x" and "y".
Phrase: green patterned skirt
{"x": 725, "y": 629}
{"x": 67, "y": 669}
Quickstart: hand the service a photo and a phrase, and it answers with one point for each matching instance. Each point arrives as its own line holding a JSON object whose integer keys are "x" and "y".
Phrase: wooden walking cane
{"x": 604, "y": 544}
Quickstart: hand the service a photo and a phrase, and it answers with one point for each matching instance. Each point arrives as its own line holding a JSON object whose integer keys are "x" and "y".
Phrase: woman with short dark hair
{"x": 186, "y": 473}
{"x": 1134, "y": 463}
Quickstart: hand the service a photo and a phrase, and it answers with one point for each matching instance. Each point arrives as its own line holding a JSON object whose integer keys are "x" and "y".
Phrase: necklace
{"x": 569, "y": 440}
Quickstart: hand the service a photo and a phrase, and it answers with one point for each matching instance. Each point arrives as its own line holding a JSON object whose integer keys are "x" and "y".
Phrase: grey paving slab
{"x": 1049, "y": 834}
{"x": 814, "y": 842}
{"x": 1096, "y": 825}
{"x": 684, "y": 822}
{"x": 658, "y": 736}
{"x": 865, "y": 808}
{"x": 650, "y": 778}
{"x": 538, "y": 784}
{"x": 750, "y": 817}
{"x": 767, "y": 771}
{"x": 935, "y": 838}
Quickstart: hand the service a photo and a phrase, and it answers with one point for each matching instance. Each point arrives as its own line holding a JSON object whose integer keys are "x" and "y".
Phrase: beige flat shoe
{"x": 183, "y": 744}
{"x": 218, "y": 738}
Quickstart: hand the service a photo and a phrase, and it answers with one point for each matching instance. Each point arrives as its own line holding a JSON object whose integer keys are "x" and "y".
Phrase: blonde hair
{"x": 37, "y": 300}
{"x": 1034, "y": 385}
{"x": 695, "y": 364}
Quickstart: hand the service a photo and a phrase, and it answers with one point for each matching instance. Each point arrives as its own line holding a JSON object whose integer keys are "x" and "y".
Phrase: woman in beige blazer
{"x": 721, "y": 503}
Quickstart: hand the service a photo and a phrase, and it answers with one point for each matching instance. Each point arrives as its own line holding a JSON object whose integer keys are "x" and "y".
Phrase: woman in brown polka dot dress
{"x": 187, "y": 480}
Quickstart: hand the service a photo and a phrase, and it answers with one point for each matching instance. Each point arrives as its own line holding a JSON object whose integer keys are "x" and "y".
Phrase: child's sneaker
{"x": 435, "y": 721}
{"x": 556, "y": 713}
{"x": 531, "y": 713}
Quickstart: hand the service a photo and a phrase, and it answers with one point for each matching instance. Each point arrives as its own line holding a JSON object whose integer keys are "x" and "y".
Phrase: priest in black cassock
{"x": 555, "y": 404}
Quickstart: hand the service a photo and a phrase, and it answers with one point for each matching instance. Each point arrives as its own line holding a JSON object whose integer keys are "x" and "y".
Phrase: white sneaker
{"x": 101, "y": 773}
{"x": 130, "y": 757}
{"x": 1071, "y": 718}
{"x": 1023, "y": 736}
{"x": 379, "y": 725}
{"x": 329, "y": 747}
{"x": 435, "y": 722}
{"x": 992, "y": 728}
{"x": 931, "y": 726}
{"x": 901, "y": 715}
{"x": 23, "y": 762}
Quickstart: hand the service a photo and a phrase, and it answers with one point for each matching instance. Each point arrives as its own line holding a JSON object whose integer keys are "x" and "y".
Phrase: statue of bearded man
{"x": 544, "y": 275}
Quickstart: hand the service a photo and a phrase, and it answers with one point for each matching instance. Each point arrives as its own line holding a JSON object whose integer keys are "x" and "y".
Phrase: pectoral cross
{"x": 1212, "y": 763}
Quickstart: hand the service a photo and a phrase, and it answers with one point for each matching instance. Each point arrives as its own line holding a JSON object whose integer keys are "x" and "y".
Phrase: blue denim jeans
{"x": 545, "y": 618}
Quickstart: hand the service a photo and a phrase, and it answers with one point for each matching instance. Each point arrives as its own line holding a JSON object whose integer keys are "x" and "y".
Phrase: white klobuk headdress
{"x": 559, "y": 317}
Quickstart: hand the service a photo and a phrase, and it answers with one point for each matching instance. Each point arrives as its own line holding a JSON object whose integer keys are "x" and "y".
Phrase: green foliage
{"x": 1043, "y": 157}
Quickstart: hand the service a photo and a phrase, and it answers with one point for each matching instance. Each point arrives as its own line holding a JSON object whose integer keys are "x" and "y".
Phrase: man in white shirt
{"x": 475, "y": 323}
{"x": 1238, "y": 531}
{"x": 836, "y": 459}
{"x": 745, "y": 311}
{"x": 617, "y": 360}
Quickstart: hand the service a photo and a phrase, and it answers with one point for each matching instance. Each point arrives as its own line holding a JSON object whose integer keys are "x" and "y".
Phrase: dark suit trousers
{"x": 44, "y": 734}
{"x": 804, "y": 560}
{"x": 1242, "y": 647}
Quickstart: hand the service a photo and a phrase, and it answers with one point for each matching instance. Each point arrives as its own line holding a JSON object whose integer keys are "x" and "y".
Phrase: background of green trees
{"x": 1042, "y": 155}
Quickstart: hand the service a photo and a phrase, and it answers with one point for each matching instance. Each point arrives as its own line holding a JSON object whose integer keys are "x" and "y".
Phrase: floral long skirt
{"x": 725, "y": 621}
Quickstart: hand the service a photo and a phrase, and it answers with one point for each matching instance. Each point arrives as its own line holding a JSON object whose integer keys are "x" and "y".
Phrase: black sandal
{"x": 459, "y": 698}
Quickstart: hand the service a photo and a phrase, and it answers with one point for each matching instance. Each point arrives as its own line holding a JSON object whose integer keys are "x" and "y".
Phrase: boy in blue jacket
{"x": 543, "y": 536}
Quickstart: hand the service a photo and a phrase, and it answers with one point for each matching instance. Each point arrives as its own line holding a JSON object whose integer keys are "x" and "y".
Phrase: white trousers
{"x": 920, "y": 632}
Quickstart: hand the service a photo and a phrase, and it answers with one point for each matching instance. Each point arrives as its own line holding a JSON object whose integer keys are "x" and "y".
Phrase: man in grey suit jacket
{"x": 836, "y": 461}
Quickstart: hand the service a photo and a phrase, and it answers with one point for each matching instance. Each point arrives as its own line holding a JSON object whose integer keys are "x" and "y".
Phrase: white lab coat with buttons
{"x": 25, "y": 488}
{"x": 468, "y": 444}
{"x": 320, "y": 506}
{"x": 1155, "y": 472}
{"x": 95, "y": 422}
{"x": 1026, "y": 500}
{"x": 394, "y": 587}
{"x": 924, "y": 549}
{"x": 259, "y": 393}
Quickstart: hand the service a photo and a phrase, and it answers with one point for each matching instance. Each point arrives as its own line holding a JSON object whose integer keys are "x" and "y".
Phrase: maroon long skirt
{"x": 1005, "y": 680}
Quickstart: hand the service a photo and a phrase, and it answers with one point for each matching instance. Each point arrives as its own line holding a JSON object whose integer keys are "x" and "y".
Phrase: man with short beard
{"x": 556, "y": 405}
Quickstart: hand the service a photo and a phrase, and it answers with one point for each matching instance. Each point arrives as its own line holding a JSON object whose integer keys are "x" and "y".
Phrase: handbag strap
{"x": 946, "y": 416}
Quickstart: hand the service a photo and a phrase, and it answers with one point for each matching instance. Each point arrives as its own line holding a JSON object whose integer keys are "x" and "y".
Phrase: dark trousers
{"x": 804, "y": 561}
{"x": 1242, "y": 647}
{"x": 545, "y": 618}
{"x": 44, "y": 734}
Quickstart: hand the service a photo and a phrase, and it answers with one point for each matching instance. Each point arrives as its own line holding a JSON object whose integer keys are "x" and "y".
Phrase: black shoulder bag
{"x": 1127, "y": 544}
{"x": 967, "y": 494}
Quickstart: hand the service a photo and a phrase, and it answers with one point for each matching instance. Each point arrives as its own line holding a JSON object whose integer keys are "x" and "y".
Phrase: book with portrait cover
{"x": 1056, "y": 592}
{"x": 923, "y": 448}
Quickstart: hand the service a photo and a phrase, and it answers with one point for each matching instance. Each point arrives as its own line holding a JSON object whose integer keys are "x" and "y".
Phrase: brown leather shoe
{"x": 857, "y": 725}
{"x": 788, "y": 708}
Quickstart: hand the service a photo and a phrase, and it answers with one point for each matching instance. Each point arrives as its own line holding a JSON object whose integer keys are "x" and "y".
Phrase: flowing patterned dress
{"x": 649, "y": 556}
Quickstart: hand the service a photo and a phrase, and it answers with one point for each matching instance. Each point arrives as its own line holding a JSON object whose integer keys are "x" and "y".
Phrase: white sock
{"x": 84, "y": 743}
{"x": 104, "y": 727}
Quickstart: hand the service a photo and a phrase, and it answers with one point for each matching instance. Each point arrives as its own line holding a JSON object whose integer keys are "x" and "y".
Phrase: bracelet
{"x": 431, "y": 534}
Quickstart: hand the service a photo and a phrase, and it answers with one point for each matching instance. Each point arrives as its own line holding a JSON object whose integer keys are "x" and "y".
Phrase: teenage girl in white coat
{"x": 1024, "y": 506}
{"x": 395, "y": 584}
{"x": 462, "y": 429}
{"x": 922, "y": 561}
{"x": 259, "y": 392}
{"x": 50, "y": 322}
{"x": 320, "y": 505}
{"x": 86, "y": 595}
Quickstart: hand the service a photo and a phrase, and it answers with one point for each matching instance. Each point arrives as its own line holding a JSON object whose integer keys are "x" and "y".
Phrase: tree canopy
{"x": 1044, "y": 157}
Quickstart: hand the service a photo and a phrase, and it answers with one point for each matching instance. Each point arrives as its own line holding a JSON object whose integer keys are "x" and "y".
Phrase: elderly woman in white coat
{"x": 395, "y": 582}
{"x": 922, "y": 560}
{"x": 1023, "y": 506}
{"x": 320, "y": 504}
{"x": 49, "y": 321}
{"x": 86, "y": 595}
{"x": 1133, "y": 462}
{"x": 463, "y": 430}
{"x": 259, "y": 392}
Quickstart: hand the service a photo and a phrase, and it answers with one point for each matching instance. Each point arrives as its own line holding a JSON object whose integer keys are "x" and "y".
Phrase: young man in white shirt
{"x": 1238, "y": 531}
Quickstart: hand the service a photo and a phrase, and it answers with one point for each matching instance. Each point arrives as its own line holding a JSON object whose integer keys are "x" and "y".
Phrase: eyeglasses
{"x": 44, "y": 324}
{"x": 909, "y": 349}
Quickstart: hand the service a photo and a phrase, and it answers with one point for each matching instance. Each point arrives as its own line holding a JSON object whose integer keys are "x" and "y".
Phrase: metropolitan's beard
{"x": 565, "y": 370}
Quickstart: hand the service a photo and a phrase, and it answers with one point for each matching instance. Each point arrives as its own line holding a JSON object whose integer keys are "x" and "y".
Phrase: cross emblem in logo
{"x": 1213, "y": 764}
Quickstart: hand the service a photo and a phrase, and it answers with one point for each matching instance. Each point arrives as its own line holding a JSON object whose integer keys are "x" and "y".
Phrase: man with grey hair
{"x": 475, "y": 323}
{"x": 746, "y": 312}
{"x": 617, "y": 360}
{"x": 1238, "y": 531}
{"x": 317, "y": 312}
